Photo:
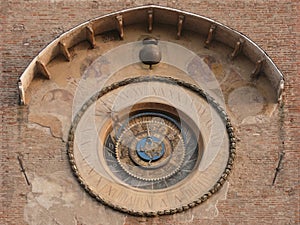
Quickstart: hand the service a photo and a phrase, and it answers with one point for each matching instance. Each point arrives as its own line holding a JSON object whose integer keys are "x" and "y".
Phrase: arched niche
{"x": 192, "y": 31}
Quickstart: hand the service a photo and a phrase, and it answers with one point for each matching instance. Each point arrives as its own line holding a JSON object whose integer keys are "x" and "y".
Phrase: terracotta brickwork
{"x": 26, "y": 27}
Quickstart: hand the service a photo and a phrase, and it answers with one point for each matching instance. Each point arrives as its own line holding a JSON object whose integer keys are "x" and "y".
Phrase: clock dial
{"x": 160, "y": 151}
{"x": 151, "y": 150}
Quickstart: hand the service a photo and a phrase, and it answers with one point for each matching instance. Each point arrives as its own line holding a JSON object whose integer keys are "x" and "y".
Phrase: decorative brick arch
{"x": 151, "y": 16}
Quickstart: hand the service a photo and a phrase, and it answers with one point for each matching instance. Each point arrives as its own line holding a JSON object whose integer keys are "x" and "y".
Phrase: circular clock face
{"x": 151, "y": 145}
{"x": 150, "y": 149}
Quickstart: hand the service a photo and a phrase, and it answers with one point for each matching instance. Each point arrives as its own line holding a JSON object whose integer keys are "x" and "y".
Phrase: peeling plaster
{"x": 57, "y": 199}
{"x": 207, "y": 210}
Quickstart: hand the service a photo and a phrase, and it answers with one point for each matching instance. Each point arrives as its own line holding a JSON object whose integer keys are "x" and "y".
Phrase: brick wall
{"x": 28, "y": 26}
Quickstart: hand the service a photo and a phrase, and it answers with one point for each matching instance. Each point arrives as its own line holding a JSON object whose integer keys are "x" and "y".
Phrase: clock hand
{"x": 148, "y": 130}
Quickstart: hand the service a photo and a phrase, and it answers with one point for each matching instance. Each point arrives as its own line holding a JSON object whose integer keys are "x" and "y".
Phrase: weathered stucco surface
{"x": 57, "y": 199}
{"x": 51, "y": 104}
{"x": 36, "y": 132}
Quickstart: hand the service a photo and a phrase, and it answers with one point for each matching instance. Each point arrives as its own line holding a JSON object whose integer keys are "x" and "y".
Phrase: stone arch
{"x": 151, "y": 17}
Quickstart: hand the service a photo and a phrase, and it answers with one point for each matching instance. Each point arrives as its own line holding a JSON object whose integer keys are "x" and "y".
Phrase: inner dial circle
{"x": 150, "y": 148}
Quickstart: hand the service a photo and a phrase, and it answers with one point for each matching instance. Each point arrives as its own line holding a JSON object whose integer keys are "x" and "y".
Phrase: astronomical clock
{"x": 146, "y": 98}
